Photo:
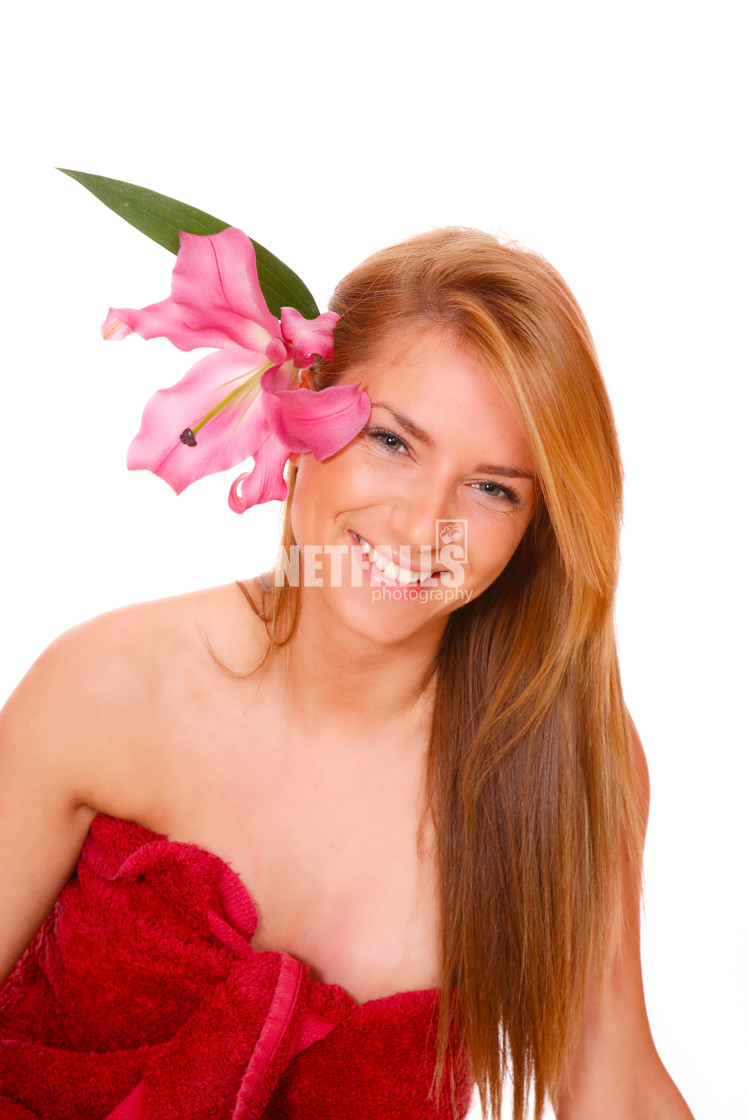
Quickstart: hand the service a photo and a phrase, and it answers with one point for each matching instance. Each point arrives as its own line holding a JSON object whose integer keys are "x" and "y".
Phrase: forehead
{"x": 417, "y": 354}
{"x": 426, "y": 374}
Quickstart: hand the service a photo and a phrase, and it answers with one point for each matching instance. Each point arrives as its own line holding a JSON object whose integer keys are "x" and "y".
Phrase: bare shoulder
{"x": 82, "y": 686}
{"x": 97, "y": 725}
{"x": 228, "y": 620}
{"x": 91, "y": 705}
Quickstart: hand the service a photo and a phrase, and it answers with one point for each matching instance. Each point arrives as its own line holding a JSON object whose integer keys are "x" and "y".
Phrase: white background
{"x": 609, "y": 139}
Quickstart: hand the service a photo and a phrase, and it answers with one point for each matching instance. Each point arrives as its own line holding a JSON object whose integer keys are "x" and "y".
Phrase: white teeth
{"x": 390, "y": 569}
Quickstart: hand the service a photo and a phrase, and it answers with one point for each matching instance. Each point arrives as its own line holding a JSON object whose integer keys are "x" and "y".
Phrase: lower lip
{"x": 378, "y": 579}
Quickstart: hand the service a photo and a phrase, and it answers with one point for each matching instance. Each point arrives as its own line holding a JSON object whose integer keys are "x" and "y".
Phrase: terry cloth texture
{"x": 141, "y": 998}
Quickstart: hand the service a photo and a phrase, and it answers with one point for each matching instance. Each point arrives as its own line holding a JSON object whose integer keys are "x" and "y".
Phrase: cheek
{"x": 304, "y": 504}
{"x": 322, "y": 491}
{"x": 299, "y": 502}
{"x": 349, "y": 481}
{"x": 491, "y": 549}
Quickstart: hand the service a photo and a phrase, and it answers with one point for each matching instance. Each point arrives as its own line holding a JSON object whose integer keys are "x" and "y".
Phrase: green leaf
{"x": 161, "y": 218}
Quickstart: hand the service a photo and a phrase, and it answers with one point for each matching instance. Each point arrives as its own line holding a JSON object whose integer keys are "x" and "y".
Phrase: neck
{"x": 337, "y": 680}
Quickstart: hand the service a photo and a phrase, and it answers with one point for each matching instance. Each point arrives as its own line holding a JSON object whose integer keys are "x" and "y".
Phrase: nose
{"x": 422, "y": 503}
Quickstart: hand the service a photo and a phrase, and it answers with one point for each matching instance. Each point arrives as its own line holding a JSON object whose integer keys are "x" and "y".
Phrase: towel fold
{"x": 141, "y": 998}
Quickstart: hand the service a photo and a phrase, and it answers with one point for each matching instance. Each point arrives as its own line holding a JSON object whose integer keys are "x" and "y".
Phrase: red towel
{"x": 141, "y": 997}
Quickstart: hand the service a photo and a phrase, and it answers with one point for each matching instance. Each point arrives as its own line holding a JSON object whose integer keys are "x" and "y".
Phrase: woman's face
{"x": 441, "y": 480}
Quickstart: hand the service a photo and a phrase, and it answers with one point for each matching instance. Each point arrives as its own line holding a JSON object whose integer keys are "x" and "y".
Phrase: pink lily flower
{"x": 243, "y": 400}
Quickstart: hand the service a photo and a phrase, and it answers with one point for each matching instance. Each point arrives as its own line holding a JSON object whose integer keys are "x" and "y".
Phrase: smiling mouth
{"x": 405, "y": 577}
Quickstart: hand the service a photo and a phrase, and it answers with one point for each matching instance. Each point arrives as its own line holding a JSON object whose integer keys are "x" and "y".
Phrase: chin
{"x": 383, "y": 621}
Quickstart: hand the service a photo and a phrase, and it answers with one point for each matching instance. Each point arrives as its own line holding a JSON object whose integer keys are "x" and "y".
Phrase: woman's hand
{"x": 617, "y": 1073}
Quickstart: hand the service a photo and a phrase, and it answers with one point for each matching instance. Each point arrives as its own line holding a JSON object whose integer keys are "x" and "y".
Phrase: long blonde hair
{"x": 529, "y": 770}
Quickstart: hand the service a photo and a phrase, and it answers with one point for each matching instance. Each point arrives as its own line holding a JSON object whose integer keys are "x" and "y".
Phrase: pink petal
{"x": 113, "y": 329}
{"x": 276, "y": 351}
{"x": 280, "y": 377}
{"x": 221, "y": 443}
{"x": 215, "y": 281}
{"x": 166, "y": 320}
{"x": 265, "y": 483}
{"x": 321, "y": 422}
{"x": 215, "y": 300}
{"x": 308, "y": 337}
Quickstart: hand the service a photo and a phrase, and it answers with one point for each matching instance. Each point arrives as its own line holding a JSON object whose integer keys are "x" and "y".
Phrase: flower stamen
{"x": 246, "y": 388}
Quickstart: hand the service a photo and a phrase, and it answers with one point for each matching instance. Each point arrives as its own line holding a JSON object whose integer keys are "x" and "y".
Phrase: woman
{"x": 414, "y": 753}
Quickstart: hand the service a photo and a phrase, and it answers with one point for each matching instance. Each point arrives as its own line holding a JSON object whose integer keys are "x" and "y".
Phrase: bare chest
{"x": 324, "y": 837}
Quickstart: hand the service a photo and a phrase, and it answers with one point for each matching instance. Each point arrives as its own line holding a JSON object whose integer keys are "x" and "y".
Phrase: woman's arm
{"x": 64, "y": 737}
{"x": 617, "y": 1073}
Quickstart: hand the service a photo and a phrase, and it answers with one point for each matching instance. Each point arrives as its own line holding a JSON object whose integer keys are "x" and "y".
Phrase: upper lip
{"x": 394, "y": 556}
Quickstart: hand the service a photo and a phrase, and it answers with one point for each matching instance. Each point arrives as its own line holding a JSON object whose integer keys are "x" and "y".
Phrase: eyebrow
{"x": 482, "y": 468}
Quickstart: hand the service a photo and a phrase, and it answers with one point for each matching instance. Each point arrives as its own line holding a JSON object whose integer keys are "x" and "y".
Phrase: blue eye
{"x": 395, "y": 445}
{"x": 499, "y": 491}
{"x": 388, "y": 440}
